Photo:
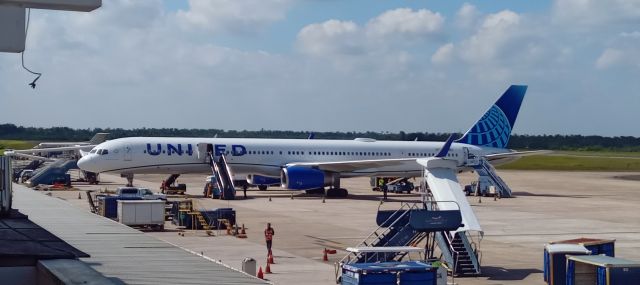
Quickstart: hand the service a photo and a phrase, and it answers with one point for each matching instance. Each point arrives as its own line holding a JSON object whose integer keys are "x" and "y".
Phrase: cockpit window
{"x": 105, "y": 151}
{"x": 93, "y": 150}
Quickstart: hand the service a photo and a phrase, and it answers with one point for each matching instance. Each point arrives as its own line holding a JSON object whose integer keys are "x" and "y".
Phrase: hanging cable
{"x": 26, "y": 31}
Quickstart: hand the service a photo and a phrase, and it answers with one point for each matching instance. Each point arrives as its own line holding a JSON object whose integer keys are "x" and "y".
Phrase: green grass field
{"x": 578, "y": 161}
{"x": 15, "y": 144}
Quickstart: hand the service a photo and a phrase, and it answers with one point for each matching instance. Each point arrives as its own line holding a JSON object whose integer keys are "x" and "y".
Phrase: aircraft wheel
{"x": 337, "y": 192}
{"x": 319, "y": 191}
{"x": 262, "y": 187}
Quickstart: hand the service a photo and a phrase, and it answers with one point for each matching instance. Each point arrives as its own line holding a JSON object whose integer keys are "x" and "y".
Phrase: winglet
{"x": 311, "y": 136}
{"x": 445, "y": 148}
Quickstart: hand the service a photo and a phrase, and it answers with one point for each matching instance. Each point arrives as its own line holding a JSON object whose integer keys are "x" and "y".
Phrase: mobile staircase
{"x": 486, "y": 170}
{"x": 52, "y": 172}
{"x": 409, "y": 225}
{"x": 197, "y": 212}
{"x": 458, "y": 249}
{"x": 223, "y": 175}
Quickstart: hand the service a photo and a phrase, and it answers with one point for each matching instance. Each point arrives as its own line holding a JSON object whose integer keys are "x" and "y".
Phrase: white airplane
{"x": 305, "y": 164}
{"x": 48, "y": 148}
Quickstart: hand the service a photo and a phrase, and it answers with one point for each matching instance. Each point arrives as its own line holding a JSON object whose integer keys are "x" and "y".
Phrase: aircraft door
{"x": 128, "y": 153}
{"x": 203, "y": 151}
{"x": 470, "y": 158}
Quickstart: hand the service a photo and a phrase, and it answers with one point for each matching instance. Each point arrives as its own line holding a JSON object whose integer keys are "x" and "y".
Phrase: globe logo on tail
{"x": 492, "y": 130}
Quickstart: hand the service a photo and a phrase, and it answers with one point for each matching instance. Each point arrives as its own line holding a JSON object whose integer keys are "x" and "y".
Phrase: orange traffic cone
{"x": 270, "y": 259}
{"x": 260, "y": 274}
{"x": 267, "y": 269}
{"x": 325, "y": 257}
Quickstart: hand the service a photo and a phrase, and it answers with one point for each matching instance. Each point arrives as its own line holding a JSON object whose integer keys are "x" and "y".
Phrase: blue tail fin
{"x": 494, "y": 128}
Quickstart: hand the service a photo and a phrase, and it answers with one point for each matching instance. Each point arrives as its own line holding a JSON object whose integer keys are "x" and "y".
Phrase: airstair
{"x": 52, "y": 172}
{"x": 485, "y": 169}
{"x": 458, "y": 250}
{"x": 394, "y": 230}
{"x": 457, "y": 246}
{"x": 223, "y": 175}
{"x": 410, "y": 226}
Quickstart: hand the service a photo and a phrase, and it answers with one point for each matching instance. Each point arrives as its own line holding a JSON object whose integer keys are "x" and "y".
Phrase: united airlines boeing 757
{"x": 304, "y": 164}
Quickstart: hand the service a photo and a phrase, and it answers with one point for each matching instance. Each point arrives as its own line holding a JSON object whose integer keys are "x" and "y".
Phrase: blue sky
{"x": 328, "y": 65}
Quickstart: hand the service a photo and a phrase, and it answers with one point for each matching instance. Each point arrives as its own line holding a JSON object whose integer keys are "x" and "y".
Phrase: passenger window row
{"x": 341, "y": 153}
{"x": 430, "y": 154}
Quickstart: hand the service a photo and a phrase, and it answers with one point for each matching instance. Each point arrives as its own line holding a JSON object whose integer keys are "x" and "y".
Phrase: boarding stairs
{"x": 52, "y": 172}
{"x": 457, "y": 247}
{"x": 394, "y": 230}
{"x": 196, "y": 211}
{"x": 485, "y": 169}
{"x": 224, "y": 178}
{"x": 412, "y": 225}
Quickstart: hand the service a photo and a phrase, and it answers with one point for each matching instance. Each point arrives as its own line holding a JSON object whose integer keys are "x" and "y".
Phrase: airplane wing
{"x": 347, "y": 166}
{"x": 54, "y": 149}
{"x": 27, "y": 156}
{"x": 516, "y": 154}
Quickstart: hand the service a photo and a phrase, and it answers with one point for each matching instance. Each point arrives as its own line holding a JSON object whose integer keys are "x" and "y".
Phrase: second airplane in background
{"x": 308, "y": 164}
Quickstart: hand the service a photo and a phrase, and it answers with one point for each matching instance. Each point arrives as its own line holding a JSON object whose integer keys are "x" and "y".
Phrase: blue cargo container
{"x": 601, "y": 270}
{"x": 596, "y": 246}
{"x": 555, "y": 261}
{"x": 407, "y": 273}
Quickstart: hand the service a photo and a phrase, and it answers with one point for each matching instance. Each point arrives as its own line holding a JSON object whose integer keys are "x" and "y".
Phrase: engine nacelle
{"x": 304, "y": 178}
{"x": 262, "y": 180}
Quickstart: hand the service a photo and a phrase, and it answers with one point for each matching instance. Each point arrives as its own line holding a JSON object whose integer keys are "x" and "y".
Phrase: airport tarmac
{"x": 548, "y": 206}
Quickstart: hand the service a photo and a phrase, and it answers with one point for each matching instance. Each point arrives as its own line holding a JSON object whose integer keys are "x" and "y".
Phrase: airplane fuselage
{"x": 158, "y": 155}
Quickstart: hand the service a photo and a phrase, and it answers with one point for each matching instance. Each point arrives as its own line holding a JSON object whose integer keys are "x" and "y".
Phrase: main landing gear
{"x": 129, "y": 177}
{"x": 331, "y": 192}
{"x": 337, "y": 192}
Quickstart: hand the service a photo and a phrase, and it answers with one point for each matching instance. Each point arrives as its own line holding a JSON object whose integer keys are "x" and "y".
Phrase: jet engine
{"x": 304, "y": 178}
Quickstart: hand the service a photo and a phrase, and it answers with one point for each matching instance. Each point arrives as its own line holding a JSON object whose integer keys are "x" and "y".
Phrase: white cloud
{"x": 330, "y": 37}
{"x": 495, "y": 32}
{"x": 138, "y": 62}
{"x": 443, "y": 55}
{"x": 623, "y": 51}
{"x": 467, "y": 15}
{"x": 386, "y": 33}
{"x": 609, "y": 57}
{"x": 585, "y": 14}
{"x": 634, "y": 35}
{"x": 246, "y": 16}
{"x": 405, "y": 22}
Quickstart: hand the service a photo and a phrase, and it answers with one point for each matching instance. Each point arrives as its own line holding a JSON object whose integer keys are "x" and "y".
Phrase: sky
{"x": 329, "y": 65}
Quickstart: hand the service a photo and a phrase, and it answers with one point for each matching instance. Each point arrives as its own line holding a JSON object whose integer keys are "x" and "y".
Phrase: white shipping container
{"x": 141, "y": 212}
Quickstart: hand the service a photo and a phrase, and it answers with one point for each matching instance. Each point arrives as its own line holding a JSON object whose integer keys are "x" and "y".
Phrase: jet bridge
{"x": 457, "y": 246}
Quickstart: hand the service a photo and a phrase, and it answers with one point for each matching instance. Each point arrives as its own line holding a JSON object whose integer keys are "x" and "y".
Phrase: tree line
{"x": 550, "y": 142}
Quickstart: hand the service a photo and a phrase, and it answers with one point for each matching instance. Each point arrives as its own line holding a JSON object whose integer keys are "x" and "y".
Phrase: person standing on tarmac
{"x": 268, "y": 236}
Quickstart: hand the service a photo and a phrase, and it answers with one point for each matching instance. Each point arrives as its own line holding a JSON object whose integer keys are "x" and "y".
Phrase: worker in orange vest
{"x": 268, "y": 236}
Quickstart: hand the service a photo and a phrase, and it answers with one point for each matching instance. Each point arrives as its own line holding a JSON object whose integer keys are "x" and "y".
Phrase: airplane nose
{"x": 85, "y": 164}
